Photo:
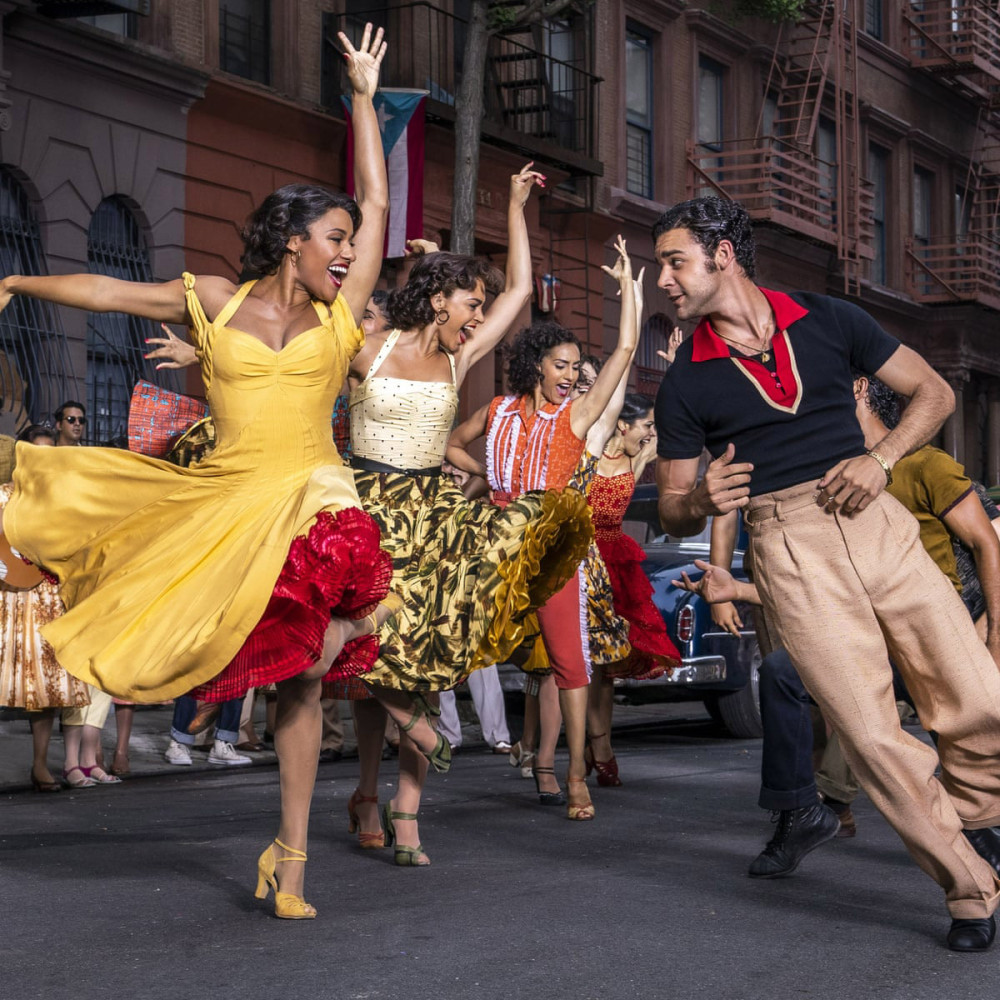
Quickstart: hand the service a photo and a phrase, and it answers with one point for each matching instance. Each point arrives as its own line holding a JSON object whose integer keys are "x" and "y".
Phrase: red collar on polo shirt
{"x": 706, "y": 344}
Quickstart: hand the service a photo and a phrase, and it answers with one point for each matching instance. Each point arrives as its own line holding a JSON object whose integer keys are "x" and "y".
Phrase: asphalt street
{"x": 144, "y": 891}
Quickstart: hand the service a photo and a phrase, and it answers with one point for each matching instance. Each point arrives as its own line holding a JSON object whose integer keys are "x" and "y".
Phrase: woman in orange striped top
{"x": 535, "y": 438}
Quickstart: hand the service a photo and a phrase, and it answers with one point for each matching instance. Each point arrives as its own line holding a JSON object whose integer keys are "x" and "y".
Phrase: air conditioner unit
{"x": 88, "y": 8}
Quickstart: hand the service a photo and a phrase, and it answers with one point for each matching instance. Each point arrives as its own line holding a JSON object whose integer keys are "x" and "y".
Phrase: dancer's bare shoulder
{"x": 214, "y": 292}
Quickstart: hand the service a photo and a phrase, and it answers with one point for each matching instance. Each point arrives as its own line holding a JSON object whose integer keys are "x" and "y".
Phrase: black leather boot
{"x": 986, "y": 843}
{"x": 972, "y": 935}
{"x": 799, "y": 832}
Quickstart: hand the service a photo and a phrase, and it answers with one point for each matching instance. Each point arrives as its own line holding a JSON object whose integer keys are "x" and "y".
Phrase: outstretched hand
{"x": 174, "y": 352}
{"x": 364, "y": 64}
{"x": 522, "y": 182}
{"x": 622, "y": 270}
{"x": 716, "y": 585}
{"x": 5, "y": 295}
{"x": 673, "y": 342}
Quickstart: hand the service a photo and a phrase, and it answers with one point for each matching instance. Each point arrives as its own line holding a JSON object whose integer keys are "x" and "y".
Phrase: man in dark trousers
{"x": 765, "y": 384}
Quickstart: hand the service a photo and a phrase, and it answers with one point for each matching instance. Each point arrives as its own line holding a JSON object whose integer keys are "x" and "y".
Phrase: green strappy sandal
{"x": 403, "y": 855}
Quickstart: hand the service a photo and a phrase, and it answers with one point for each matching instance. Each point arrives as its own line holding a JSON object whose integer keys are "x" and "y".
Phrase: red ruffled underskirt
{"x": 337, "y": 570}
{"x": 653, "y": 654}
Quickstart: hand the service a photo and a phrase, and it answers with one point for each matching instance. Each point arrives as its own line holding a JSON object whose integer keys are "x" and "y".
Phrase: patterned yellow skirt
{"x": 469, "y": 573}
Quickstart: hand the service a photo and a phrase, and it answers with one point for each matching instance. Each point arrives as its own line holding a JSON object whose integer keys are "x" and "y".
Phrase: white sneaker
{"x": 225, "y": 753}
{"x": 177, "y": 753}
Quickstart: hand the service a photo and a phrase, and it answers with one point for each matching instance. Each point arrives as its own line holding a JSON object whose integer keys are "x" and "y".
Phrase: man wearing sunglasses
{"x": 70, "y": 423}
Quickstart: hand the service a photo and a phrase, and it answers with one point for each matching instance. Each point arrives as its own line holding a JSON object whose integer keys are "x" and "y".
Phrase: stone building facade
{"x": 864, "y": 140}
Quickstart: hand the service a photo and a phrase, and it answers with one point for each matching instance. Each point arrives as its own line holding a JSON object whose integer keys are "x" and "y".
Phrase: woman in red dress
{"x": 622, "y": 464}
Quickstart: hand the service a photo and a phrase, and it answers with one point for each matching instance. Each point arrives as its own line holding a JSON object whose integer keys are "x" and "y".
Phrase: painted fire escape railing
{"x": 778, "y": 174}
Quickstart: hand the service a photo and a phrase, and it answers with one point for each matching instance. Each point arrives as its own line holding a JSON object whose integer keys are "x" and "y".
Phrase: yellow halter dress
{"x": 168, "y": 573}
{"x": 469, "y": 574}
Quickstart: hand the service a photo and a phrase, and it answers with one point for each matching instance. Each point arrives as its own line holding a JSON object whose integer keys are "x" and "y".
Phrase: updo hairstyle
{"x": 409, "y": 307}
{"x": 635, "y": 407}
{"x": 288, "y": 212}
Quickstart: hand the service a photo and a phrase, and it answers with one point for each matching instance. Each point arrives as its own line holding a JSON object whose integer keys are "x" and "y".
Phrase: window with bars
{"x": 34, "y": 360}
{"x": 245, "y": 38}
{"x": 115, "y": 341}
{"x": 638, "y": 111}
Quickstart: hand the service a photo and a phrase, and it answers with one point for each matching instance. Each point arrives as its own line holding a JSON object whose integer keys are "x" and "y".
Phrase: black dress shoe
{"x": 330, "y": 756}
{"x": 972, "y": 935}
{"x": 986, "y": 843}
{"x": 799, "y": 832}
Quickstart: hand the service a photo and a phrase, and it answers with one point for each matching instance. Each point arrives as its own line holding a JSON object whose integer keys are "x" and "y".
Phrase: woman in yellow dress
{"x": 257, "y": 562}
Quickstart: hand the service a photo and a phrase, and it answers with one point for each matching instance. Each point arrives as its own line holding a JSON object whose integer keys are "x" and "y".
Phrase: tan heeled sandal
{"x": 578, "y": 810}
{"x": 286, "y": 905}
{"x": 367, "y": 841}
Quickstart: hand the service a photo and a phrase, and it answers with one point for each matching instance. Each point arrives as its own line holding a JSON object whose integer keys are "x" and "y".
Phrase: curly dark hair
{"x": 635, "y": 406}
{"x": 885, "y": 403}
{"x": 285, "y": 213}
{"x": 524, "y": 355}
{"x": 710, "y": 221}
{"x": 409, "y": 307}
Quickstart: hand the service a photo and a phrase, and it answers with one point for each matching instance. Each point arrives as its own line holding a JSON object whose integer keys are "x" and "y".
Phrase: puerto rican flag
{"x": 401, "y": 122}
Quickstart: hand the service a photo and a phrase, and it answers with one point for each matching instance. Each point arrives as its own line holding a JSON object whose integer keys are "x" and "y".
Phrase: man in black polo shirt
{"x": 765, "y": 384}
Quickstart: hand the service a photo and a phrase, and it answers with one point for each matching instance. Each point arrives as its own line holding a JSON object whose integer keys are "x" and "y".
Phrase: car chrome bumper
{"x": 697, "y": 670}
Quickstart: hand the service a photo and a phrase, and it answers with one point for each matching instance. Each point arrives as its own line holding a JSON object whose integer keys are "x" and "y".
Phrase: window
{"x": 878, "y": 174}
{"x": 118, "y": 24}
{"x": 826, "y": 156}
{"x": 33, "y": 358}
{"x": 245, "y": 38}
{"x": 873, "y": 18}
{"x": 963, "y": 212}
{"x": 638, "y": 112}
{"x": 711, "y": 80}
{"x": 923, "y": 217}
{"x": 115, "y": 362}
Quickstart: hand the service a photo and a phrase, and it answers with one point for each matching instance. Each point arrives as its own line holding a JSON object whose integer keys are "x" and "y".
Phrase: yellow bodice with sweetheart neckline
{"x": 402, "y": 422}
{"x": 166, "y": 570}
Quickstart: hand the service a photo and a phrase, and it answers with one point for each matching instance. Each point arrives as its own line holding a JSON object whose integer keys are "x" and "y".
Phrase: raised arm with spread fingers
{"x": 517, "y": 289}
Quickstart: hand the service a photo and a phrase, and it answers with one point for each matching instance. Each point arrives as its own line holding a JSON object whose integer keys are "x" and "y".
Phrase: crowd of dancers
{"x": 271, "y": 562}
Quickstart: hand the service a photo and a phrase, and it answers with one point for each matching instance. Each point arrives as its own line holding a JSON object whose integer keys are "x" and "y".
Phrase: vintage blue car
{"x": 717, "y": 668}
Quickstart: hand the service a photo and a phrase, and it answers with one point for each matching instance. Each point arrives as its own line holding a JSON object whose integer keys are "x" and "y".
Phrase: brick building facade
{"x": 864, "y": 140}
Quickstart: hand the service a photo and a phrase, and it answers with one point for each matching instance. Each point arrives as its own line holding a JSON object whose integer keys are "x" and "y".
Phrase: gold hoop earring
{"x": 296, "y": 256}
{"x": 441, "y": 317}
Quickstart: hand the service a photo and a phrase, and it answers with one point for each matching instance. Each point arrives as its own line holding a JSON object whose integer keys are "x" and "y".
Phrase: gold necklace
{"x": 764, "y": 352}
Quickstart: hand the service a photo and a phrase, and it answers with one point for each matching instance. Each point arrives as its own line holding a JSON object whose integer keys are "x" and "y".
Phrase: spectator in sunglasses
{"x": 70, "y": 423}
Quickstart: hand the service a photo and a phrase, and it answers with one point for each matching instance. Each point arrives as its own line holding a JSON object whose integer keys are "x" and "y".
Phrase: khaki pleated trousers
{"x": 843, "y": 594}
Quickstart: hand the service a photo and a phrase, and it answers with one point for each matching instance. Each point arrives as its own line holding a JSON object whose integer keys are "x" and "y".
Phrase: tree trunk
{"x": 468, "y": 126}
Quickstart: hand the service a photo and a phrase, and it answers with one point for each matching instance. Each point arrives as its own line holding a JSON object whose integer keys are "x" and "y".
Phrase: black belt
{"x": 370, "y": 465}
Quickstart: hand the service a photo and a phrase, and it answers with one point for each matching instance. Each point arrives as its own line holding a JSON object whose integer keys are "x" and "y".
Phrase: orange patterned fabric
{"x": 536, "y": 452}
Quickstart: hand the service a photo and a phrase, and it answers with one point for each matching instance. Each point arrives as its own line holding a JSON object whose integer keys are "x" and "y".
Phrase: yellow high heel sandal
{"x": 404, "y": 856}
{"x": 286, "y": 906}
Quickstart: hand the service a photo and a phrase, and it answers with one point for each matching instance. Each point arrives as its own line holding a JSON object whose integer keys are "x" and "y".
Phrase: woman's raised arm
{"x": 370, "y": 180}
{"x": 588, "y": 409}
{"x": 517, "y": 290}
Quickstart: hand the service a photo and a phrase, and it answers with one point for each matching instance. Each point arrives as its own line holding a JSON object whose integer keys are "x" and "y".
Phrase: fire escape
{"x": 781, "y": 174}
{"x": 958, "y": 41}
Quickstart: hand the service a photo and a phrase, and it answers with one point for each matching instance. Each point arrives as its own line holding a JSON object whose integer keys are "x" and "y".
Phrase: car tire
{"x": 739, "y": 711}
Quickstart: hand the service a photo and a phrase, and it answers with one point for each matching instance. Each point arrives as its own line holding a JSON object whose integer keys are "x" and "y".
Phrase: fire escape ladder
{"x": 853, "y": 197}
{"x": 804, "y": 71}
